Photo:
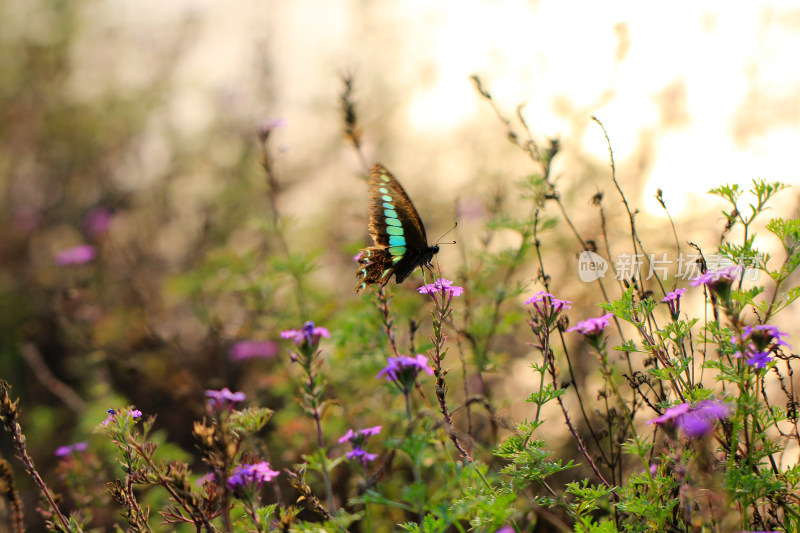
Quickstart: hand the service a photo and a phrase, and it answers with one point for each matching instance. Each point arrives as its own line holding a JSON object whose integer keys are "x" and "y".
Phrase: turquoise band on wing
{"x": 394, "y": 230}
{"x": 397, "y": 240}
{"x": 390, "y": 213}
{"x": 384, "y": 190}
{"x": 387, "y": 205}
{"x": 394, "y": 222}
{"x": 386, "y": 198}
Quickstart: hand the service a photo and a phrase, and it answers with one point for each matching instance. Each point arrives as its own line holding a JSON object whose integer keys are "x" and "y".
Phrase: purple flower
{"x": 361, "y": 436}
{"x": 219, "y": 400}
{"x": 252, "y": 349}
{"x": 112, "y": 414}
{"x": 592, "y": 326}
{"x": 671, "y": 413}
{"x": 759, "y": 359}
{"x": 694, "y": 421}
{"x": 719, "y": 281}
{"x": 77, "y": 255}
{"x": 63, "y": 451}
{"x": 443, "y": 286}
{"x": 404, "y": 370}
{"x": 96, "y": 222}
{"x": 358, "y": 453}
{"x": 712, "y": 277}
{"x": 505, "y": 529}
{"x": 359, "y": 439}
{"x": 254, "y": 474}
{"x": 547, "y": 307}
{"x": 761, "y": 336}
{"x": 308, "y": 334}
{"x": 673, "y": 301}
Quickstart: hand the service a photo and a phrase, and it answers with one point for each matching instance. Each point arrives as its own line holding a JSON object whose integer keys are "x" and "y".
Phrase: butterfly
{"x": 400, "y": 242}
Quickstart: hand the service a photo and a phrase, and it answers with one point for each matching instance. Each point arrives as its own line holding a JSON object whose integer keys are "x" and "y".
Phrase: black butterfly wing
{"x": 401, "y": 244}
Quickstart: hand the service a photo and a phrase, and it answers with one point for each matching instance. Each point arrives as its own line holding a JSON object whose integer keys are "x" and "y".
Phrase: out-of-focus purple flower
{"x": 761, "y": 336}
{"x": 443, "y": 286}
{"x": 671, "y": 413}
{"x": 673, "y": 301}
{"x": 205, "y": 478}
{"x": 253, "y": 474}
{"x": 694, "y": 421}
{"x": 759, "y": 359}
{"x": 77, "y": 255}
{"x": 361, "y": 436}
{"x": 358, "y": 453}
{"x": 403, "y": 370}
{"x": 219, "y": 400}
{"x": 96, "y": 222}
{"x": 63, "y": 451}
{"x": 357, "y": 257}
{"x": 308, "y": 334}
{"x": 505, "y": 529}
{"x": 592, "y": 326}
{"x": 359, "y": 439}
{"x": 252, "y": 349}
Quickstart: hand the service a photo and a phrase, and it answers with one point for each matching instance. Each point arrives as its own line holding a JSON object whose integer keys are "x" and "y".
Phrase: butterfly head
{"x": 432, "y": 250}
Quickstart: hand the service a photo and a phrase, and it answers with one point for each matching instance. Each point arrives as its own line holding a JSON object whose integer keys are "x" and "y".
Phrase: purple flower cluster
{"x": 308, "y": 335}
{"x": 712, "y": 278}
{"x": 359, "y": 439}
{"x": 250, "y": 349}
{"x": 63, "y": 451}
{"x": 397, "y": 366}
{"x": 253, "y": 474}
{"x": 695, "y": 421}
{"x": 673, "y": 301}
{"x": 547, "y": 306}
{"x": 759, "y": 341}
{"x": 441, "y": 286}
{"x": 112, "y": 414}
{"x": 222, "y": 400}
{"x": 719, "y": 281}
{"x": 593, "y": 326}
{"x": 403, "y": 370}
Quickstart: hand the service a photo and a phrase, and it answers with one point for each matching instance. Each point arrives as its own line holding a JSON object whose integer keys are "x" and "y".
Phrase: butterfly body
{"x": 400, "y": 241}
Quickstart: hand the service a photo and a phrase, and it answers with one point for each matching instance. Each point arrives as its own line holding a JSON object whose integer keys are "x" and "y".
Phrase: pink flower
{"x": 77, "y": 255}
{"x": 443, "y": 286}
{"x": 592, "y": 326}
{"x": 308, "y": 334}
{"x": 250, "y": 349}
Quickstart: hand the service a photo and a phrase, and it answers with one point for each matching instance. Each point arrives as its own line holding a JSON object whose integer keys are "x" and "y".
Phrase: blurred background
{"x": 142, "y": 237}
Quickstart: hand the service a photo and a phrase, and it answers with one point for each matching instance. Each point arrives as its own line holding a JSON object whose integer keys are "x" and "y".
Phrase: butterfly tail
{"x": 376, "y": 267}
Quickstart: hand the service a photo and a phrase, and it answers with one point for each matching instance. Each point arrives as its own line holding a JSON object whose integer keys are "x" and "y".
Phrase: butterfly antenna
{"x": 438, "y": 242}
